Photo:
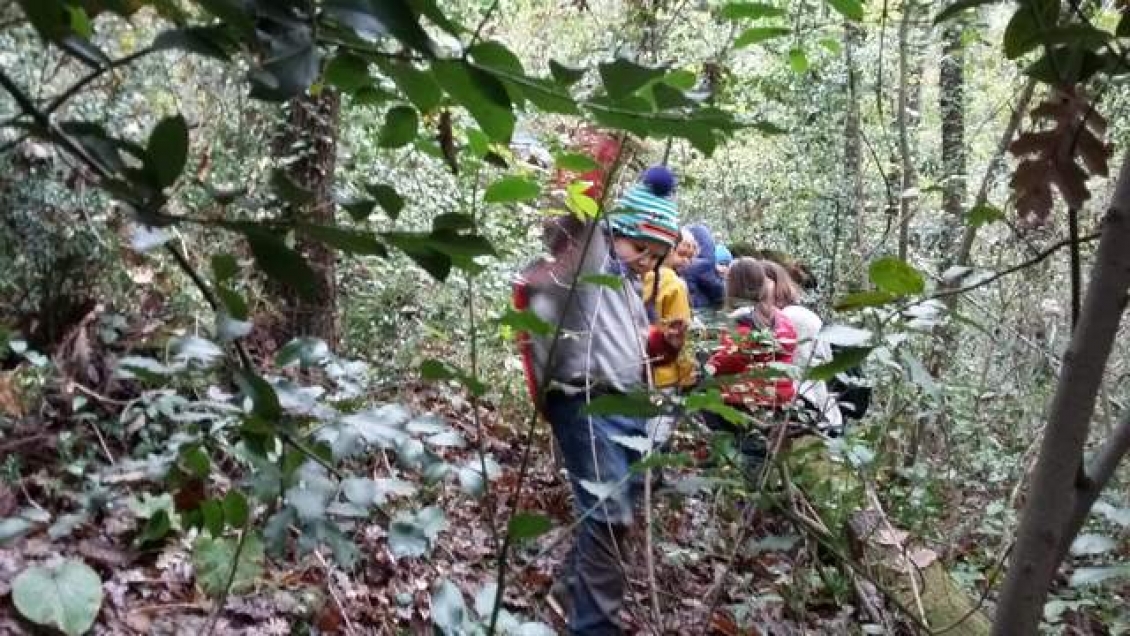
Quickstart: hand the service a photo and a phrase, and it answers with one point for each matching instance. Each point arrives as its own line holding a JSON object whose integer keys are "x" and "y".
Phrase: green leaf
{"x": 850, "y": 9}
{"x": 630, "y": 404}
{"x": 711, "y": 401}
{"x": 1028, "y": 26}
{"x": 511, "y": 189}
{"x": 224, "y": 267}
{"x": 66, "y": 597}
{"x": 1092, "y": 576}
{"x": 750, "y": 11}
{"x": 449, "y": 611}
{"x": 958, "y": 6}
{"x": 263, "y": 397}
{"x": 213, "y": 559}
{"x": 399, "y": 129}
{"x": 156, "y": 528}
{"x": 386, "y": 196}
{"x": 369, "y": 20}
{"x": 494, "y": 56}
{"x": 196, "y": 460}
{"x": 209, "y": 41}
{"x": 213, "y": 514}
{"x": 565, "y": 75}
{"x": 832, "y": 45}
{"x": 611, "y": 281}
{"x": 895, "y": 276}
{"x": 798, "y": 61}
{"x": 348, "y": 71}
{"x": 420, "y": 87}
{"x": 859, "y": 300}
{"x": 344, "y": 239}
{"x": 481, "y": 94}
{"x": 1066, "y": 65}
{"x": 1123, "y": 28}
{"x": 12, "y": 528}
{"x": 281, "y": 263}
{"x": 306, "y": 350}
{"x": 757, "y": 35}
{"x": 526, "y": 320}
{"x": 289, "y": 191}
{"x": 983, "y": 215}
{"x": 524, "y": 526}
{"x": 167, "y": 151}
{"x": 623, "y": 77}
{"x": 576, "y": 162}
{"x": 845, "y": 358}
{"x": 236, "y": 510}
{"x": 289, "y": 71}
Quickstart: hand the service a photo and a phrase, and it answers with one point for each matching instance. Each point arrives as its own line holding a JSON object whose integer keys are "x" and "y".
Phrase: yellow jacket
{"x": 673, "y": 303}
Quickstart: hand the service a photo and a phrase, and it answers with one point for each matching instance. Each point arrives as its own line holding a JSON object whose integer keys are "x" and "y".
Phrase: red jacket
{"x": 748, "y": 353}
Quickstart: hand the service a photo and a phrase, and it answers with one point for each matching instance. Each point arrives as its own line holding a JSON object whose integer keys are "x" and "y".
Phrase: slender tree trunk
{"x": 853, "y": 153}
{"x": 951, "y": 102}
{"x": 1062, "y": 491}
{"x": 307, "y": 145}
{"x": 904, "y": 119}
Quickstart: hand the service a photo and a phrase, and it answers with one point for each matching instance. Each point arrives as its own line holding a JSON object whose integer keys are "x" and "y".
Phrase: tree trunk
{"x": 951, "y": 102}
{"x": 853, "y": 153}
{"x": 306, "y": 145}
{"x": 1061, "y": 491}
{"x": 905, "y": 118}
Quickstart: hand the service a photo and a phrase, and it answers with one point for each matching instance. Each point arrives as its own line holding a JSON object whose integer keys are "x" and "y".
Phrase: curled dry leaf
{"x": 1052, "y": 156}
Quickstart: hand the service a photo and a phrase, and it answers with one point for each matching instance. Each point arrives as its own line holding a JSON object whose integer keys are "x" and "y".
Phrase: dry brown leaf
{"x": 1051, "y": 156}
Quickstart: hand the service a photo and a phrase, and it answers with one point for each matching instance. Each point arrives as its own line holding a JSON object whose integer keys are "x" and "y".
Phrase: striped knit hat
{"x": 647, "y": 212}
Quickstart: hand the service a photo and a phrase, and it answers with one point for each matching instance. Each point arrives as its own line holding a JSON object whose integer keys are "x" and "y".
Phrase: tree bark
{"x": 951, "y": 102}
{"x": 306, "y": 145}
{"x": 904, "y": 119}
{"x": 1060, "y": 488}
{"x": 853, "y": 152}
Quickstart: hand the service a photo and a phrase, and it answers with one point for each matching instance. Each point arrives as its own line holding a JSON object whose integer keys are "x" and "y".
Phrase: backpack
{"x": 853, "y": 389}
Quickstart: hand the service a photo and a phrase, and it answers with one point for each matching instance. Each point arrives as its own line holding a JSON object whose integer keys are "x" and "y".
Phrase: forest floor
{"x": 154, "y": 591}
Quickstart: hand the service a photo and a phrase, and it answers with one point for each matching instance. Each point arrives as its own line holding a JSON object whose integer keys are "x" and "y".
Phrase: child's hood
{"x": 705, "y": 240}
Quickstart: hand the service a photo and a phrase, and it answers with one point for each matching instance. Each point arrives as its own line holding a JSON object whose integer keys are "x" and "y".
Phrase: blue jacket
{"x": 706, "y": 287}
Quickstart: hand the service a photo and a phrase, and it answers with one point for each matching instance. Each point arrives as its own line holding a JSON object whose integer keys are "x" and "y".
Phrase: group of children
{"x": 624, "y": 294}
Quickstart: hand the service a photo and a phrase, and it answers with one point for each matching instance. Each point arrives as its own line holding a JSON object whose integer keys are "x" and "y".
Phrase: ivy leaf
{"x": 756, "y": 35}
{"x": 65, "y": 597}
{"x": 167, "y": 151}
{"x": 511, "y": 189}
{"x": 399, "y": 129}
{"x": 524, "y": 526}
{"x": 213, "y": 560}
{"x": 1028, "y": 25}
{"x": 1091, "y": 576}
{"x": 896, "y": 276}
{"x": 623, "y": 77}
{"x": 850, "y": 9}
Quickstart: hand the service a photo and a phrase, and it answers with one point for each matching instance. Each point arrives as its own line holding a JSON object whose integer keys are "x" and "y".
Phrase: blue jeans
{"x": 593, "y": 570}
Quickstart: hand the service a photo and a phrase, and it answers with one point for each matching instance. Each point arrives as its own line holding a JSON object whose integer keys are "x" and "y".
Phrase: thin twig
{"x": 349, "y": 628}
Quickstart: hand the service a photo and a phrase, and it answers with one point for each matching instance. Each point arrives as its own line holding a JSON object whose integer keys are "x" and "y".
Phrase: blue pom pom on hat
{"x": 646, "y": 211}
